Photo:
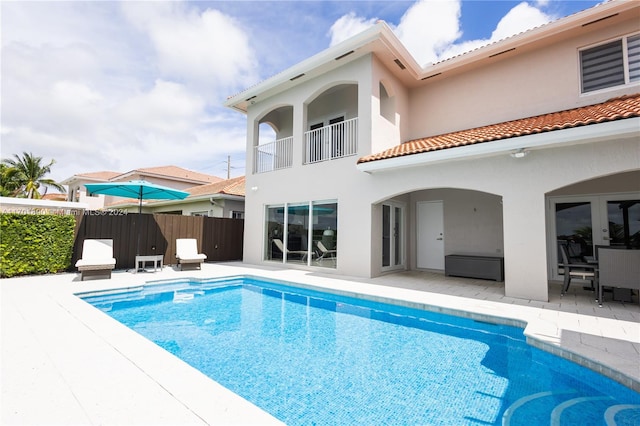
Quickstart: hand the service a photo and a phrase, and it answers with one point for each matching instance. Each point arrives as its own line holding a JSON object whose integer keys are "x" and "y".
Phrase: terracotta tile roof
{"x": 55, "y": 197}
{"x": 103, "y": 175}
{"x": 175, "y": 172}
{"x": 614, "y": 109}
{"x": 233, "y": 186}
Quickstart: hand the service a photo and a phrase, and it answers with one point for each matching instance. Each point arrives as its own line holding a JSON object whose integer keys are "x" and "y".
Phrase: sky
{"x": 106, "y": 85}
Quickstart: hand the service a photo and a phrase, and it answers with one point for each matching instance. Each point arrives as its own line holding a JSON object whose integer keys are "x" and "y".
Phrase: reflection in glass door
{"x": 574, "y": 227}
{"x": 624, "y": 223}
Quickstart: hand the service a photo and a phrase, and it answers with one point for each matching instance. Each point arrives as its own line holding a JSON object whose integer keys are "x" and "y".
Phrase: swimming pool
{"x": 309, "y": 357}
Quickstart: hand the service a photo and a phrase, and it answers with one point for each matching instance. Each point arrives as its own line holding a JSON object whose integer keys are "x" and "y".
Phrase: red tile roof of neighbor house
{"x": 55, "y": 196}
{"x": 233, "y": 186}
{"x": 103, "y": 175}
{"x": 172, "y": 171}
{"x": 614, "y": 109}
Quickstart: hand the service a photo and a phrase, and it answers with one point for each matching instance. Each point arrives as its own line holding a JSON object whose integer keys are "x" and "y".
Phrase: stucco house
{"x": 498, "y": 152}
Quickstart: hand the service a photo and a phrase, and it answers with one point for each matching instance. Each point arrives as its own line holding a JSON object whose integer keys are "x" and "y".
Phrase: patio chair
{"x": 280, "y": 245}
{"x": 583, "y": 271}
{"x": 619, "y": 269}
{"x": 97, "y": 259}
{"x": 325, "y": 252}
{"x": 187, "y": 253}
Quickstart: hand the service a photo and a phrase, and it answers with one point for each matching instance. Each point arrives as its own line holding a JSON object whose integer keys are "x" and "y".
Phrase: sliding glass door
{"x": 302, "y": 233}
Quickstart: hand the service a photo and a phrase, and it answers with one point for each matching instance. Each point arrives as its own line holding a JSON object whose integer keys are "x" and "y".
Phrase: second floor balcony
{"x": 336, "y": 140}
{"x": 330, "y": 142}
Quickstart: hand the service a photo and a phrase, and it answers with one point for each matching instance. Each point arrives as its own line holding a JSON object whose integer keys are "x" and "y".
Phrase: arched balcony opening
{"x": 332, "y": 124}
{"x": 273, "y": 146}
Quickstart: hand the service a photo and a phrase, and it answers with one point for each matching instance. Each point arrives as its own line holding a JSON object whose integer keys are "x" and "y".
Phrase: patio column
{"x": 525, "y": 258}
{"x": 299, "y": 123}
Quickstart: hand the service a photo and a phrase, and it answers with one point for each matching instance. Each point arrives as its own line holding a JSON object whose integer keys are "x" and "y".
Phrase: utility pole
{"x": 228, "y": 167}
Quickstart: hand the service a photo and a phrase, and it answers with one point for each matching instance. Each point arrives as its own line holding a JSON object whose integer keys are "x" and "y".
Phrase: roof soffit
{"x": 379, "y": 40}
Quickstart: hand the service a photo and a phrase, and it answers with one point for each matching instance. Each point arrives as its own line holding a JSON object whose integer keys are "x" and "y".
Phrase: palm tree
{"x": 8, "y": 186}
{"x": 27, "y": 174}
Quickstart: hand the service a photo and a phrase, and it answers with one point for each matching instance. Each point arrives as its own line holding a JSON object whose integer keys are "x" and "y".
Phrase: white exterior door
{"x": 430, "y": 235}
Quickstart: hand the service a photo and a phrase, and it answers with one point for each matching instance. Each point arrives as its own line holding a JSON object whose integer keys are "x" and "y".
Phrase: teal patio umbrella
{"x": 137, "y": 189}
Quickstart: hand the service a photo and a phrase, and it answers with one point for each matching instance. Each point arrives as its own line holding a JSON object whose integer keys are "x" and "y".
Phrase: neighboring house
{"x": 171, "y": 176}
{"x": 76, "y": 192}
{"x": 219, "y": 199}
{"x": 500, "y": 151}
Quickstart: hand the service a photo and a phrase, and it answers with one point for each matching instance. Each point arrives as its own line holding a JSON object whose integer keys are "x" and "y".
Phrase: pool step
{"x": 565, "y": 408}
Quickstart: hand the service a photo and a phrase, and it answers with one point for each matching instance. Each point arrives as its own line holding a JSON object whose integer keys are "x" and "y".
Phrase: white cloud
{"x": 168, "y": 107}
{"x": 429, "y": 28}
{"x": 207, "y": 50}
{"x": 347, "y": 26}
{"x": 521, "y": 18}
{"x": 426, "y": 29}
{"x": 121, "y": 85}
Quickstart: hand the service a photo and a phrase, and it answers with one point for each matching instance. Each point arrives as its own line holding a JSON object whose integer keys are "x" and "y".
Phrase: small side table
{"x": 157, "y": 260}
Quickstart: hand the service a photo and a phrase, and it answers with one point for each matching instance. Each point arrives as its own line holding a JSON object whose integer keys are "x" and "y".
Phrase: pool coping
{"x": 168, "y": 380}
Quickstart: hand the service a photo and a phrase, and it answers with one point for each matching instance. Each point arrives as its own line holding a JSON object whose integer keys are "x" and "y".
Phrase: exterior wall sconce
{"x": 521, "y": 153}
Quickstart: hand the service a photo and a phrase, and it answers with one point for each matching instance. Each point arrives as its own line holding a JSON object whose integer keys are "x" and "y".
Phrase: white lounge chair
{"x": 280, "y": 245}
{"x": 187, "y": 253}
{"x": 97, "y": 259}
{"x": 325, "y": 251}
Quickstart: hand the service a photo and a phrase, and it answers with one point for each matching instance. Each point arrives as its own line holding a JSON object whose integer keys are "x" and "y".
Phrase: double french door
{"x": 589, "y": 221}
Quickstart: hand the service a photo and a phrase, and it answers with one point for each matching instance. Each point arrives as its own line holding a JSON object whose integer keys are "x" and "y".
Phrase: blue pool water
{"x": 312, "y": 358}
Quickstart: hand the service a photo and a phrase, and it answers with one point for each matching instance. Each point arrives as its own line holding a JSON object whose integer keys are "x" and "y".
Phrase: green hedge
{"x": 35, "y": 243}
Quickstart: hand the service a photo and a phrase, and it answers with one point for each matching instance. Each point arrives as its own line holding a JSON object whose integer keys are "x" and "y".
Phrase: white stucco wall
{"x": 386, "y": 133}
{"x": 94, "y": 202}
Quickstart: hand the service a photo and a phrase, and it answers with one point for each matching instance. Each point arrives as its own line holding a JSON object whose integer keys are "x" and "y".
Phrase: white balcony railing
{"x": 334, "y": 141}
{"x": 273, "y": 156}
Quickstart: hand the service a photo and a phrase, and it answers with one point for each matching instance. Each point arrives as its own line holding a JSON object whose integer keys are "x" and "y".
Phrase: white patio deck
{"x": 64, "y": 362}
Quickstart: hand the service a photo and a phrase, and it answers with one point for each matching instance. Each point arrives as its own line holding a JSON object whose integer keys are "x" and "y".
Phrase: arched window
{"x": 387, "y": 104}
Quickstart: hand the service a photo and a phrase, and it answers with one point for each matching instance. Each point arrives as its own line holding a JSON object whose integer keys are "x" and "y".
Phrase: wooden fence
{"x": 220, "y": 239}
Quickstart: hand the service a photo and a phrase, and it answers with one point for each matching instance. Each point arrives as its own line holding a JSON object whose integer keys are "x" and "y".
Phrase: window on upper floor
{"x": 610, "y": 64}
{"x": 387, "y": 104}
